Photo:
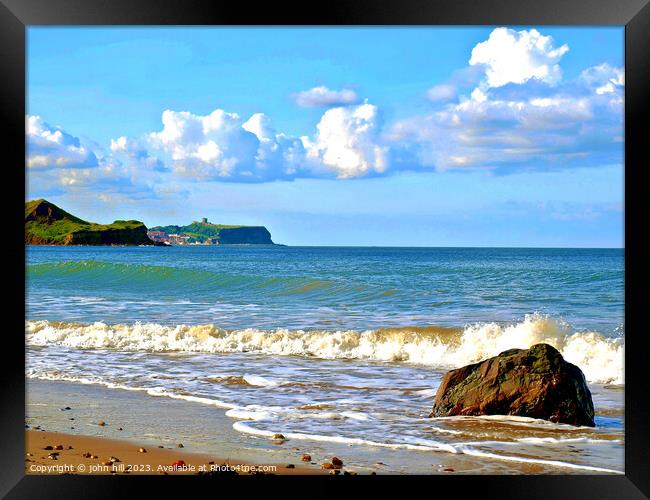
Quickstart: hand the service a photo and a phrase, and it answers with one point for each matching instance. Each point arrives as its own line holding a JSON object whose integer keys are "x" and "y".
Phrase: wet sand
{"x": 58, "y": 453}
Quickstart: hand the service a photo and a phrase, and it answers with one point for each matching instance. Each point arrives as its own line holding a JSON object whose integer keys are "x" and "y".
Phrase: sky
{"x": 382, "y": 136}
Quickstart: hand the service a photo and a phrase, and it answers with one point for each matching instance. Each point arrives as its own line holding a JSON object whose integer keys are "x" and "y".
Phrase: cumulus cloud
{"x": 511, "y": 56}
{"x": 509, "y": 110}
{"x": 521, "y": 115}
{"x": 348, "y": 142}
{"x": 52, "y": 147}
{"x": 538, "y": 132}
{"x": 322, "y": 96}
{"x": 221, "y": 146}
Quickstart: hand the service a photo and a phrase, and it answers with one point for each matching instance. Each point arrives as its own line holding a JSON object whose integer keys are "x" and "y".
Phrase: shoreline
{"x": 90, "y": 455}
{"x": 70, "y": 414}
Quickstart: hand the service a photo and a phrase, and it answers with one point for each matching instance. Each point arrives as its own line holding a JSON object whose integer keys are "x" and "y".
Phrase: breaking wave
{"x": 599, "y": 357}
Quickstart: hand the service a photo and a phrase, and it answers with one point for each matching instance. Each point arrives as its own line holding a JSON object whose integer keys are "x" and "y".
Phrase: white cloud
{"x": 221, "y": 146}
{"x": 322, "y": 96}
{"x": 538, "y": 132}
{"x": 441, "y": 93}
{"x": 51, "y": 147}
{"x": 604, "y": 79}
{"x": 347, "y": 142}
{"x": 137, "y": 153}
{"x": 511, "y": 56}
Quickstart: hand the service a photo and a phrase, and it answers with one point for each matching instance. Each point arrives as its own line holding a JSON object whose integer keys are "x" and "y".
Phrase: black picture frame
{"x": 16, "y": 15}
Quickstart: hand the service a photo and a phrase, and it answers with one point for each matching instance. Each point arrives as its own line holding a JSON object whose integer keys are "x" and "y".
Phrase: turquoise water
{"x": 356, "y": 288}
{"x": 338, "y": 345}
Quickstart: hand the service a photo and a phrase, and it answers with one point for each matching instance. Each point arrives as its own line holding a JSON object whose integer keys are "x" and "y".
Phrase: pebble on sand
{"x": 142, "y": 450}
{"x": 306, "y": 458}
{"x": 290, "y": 466}
{"x": 101, "y": 423}
{"x": 58, "y": 447}
{"x": 337, "y": 461}
{"x": 48, "y": 447}
{"x": 180, "y": 445}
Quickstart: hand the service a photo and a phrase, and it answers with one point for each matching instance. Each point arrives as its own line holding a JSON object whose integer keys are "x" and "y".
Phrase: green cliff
{"x": 205, "y": 232}
{"x": 47, "y": 224}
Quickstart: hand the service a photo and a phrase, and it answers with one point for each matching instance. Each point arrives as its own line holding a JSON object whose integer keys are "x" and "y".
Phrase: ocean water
{"x": 337, "y": 345}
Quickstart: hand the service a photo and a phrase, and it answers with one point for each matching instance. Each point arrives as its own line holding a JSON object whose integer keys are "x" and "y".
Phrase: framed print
{"x": 377, "y": 243}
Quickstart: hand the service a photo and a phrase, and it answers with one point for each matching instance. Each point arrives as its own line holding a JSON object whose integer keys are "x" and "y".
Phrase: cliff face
{"x": 47, "y": 224}
{"x": 245, "y": 236}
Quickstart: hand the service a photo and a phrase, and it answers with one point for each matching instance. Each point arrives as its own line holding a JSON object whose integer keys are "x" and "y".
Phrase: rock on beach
{"x": 535, "y": 382}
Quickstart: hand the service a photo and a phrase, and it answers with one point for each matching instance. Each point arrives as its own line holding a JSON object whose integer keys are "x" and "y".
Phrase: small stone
{"x": 94, "y": 456}
{"x": 114, "y": 459}
{"x": 290, "y": 466}
{"x": 160, "y": 446}
{"x": 86, "y": 455}
{"x": 48, "y": 447}
{"x": 211, "y": 462}
{"x": 66, "y": 408}
{"x": 335, "y": 472}
{"x": 327, "y": 465}
{"x": 58, "y": 447}
{"x": 30, "y": 455}
{"x": 337, "y": 461}
{"x": 448, "y": 469}
{"x": 101, "y": 423}
{"x": 120, "y": 429}
{"x": 180, "y": 445}
{"x": 278, "y": 436}
{"x": 71, "y": 418}
{"x": 108, "y": 462}
{"x": 306, "y": 458}
{"x": 70, "y": 447}
{"x": 142, "y": 450}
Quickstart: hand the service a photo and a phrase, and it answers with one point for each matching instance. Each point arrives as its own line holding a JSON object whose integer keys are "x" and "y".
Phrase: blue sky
{"x": 437, "y": 136}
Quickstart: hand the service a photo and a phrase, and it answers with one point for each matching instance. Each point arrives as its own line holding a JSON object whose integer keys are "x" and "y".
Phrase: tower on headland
{"x": 204, "y": 220}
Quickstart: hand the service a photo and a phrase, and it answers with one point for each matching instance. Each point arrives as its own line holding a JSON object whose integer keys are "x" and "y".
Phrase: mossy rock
{"x": 535, "y": 382}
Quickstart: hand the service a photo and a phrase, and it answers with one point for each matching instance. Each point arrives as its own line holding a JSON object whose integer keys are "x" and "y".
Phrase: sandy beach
{"x": 59, "y": 453}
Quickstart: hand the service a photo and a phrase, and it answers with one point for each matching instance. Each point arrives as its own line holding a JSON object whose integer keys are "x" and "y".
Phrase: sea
{"x": 339, "y": 345}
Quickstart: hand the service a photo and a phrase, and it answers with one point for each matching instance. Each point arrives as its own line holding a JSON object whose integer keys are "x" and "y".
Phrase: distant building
{"x": 158, "y": 236}
{"x": 204, "y": 220}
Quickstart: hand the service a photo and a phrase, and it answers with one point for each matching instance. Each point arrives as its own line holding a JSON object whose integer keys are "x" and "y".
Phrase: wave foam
{"x": 599, "y": 357}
